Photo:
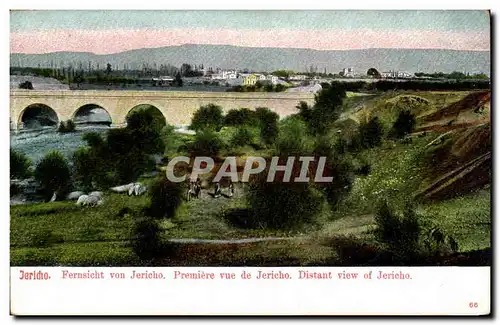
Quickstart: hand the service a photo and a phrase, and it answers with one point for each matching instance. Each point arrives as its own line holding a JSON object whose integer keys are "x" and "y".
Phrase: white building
{"x": 396, "y": 74}
{"x": 272, "y": 79}
{"x": 298, "y": 77}
{"x": 348, "y": 72}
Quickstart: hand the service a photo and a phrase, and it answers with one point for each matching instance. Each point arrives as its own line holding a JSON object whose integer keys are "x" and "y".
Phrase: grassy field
{"x": 62, "y": 233}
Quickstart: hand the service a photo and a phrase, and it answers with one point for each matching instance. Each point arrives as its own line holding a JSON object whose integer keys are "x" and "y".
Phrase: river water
{"x": 36, "y": 143}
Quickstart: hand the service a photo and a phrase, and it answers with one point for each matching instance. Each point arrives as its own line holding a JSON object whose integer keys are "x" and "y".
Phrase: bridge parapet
{"x": 177, "y": 106}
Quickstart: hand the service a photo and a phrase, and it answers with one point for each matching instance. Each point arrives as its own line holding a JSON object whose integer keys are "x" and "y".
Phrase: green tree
{"x": 53, "y": 174}
{"x": 242, "y": 116}
{"x": 178, "y": 80}
{"x": 373, "y": 73}
{"x": 268, "y": 124}
{"x": 108, "y": 69}
{"x": 327, "y": 107}
{"x": 207, "y": 117}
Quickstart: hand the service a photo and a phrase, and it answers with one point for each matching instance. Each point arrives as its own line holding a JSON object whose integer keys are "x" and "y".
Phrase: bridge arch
{"x": 37, "y": 115}
{"x": 92, "y": 114}
{"x": 150, "y": 107}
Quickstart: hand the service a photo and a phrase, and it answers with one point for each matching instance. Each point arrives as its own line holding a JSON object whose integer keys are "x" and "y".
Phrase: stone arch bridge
{"x": 177, "y": 107}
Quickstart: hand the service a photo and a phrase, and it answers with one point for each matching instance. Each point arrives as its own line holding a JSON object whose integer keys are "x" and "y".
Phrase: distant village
{"x": 310, "y": 82}
{"x": 197, "y": 76}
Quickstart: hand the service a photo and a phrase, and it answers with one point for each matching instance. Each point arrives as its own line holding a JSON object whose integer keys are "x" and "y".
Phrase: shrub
{"x": 242, "y": 137}
{"x": 404, "y": 125}
{"x": 293, "y": 138}
{"x": 207, "y": 117}
{"x": 206, "y": 143}
{"x": 146, "y": 242}
{"x": 66, "y": 127}
{"x": 53, "y": 174}
{"x": 26, "y": 85}
{"x": 279, "y": 205}
{"x": 370, "y": 133}
{"x": 407, "y": 241}
{"x": 93, "y": 139}
{"x": 19, "y": 165}
{"x": 343, "y": 178}
{"x": 400, "y": 235}
{"x": 166, "y": 198}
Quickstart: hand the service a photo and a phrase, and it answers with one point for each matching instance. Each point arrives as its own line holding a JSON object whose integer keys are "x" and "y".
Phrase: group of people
{"x": 194, "y": 190}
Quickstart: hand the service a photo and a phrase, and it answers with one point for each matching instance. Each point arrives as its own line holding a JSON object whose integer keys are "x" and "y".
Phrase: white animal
{"x": 96, "y": 194}
{"x": 122, "y": 188}
{"x": 54, "y": 197}
{"x": 74, "y": 195}
{"x": 137, "y": 189}
{"x": 89, "y": 200}
{"x": 82, "y": 199}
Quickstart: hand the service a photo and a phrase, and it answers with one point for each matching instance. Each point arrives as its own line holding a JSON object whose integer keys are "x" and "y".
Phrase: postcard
{"x": 164, "y": 161}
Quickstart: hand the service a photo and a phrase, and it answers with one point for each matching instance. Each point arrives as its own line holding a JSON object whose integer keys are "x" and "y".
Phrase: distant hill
{"x": 268, "y": 59}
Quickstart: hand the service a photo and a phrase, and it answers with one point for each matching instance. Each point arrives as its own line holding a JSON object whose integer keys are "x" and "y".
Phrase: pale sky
{"x": 104, "y": 32}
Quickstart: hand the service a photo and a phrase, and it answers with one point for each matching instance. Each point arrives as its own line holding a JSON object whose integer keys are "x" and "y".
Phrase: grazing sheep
{"x": 96, "y": 194}
{"x": 88, "y": 200}
{"x": 137, "y": 189}
{"x": 74, "y": 195}
{"x": 82, "y": 199}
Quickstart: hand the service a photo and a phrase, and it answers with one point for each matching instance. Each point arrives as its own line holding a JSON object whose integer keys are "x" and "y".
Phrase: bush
{"x": 53, "y": 174}
{"x": 404, "y": 125}
{"x": 293, "y": 139}
{"x": 26, "y": 85}
{"x": 400, "y": 235}
{"x": 206, "y": 143}
{"x": 407, "y": 241}
{"x": 93, "y": 139}
{"x": 343, "y": 178}
{"x": 207, "y": 117}
{"x": 66, "y": 127}
{"x": 166, "y": 198}
{"x": 279, "y": 205}
{"x": 19, "y": 165}
{"x": 370, "y": 133}
{"x": 146, "y": 242}
{"x": 242, "y": 137}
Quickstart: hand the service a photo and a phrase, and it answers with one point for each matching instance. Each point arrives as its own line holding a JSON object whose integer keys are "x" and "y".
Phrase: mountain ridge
{"x": 272, "y": 58}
